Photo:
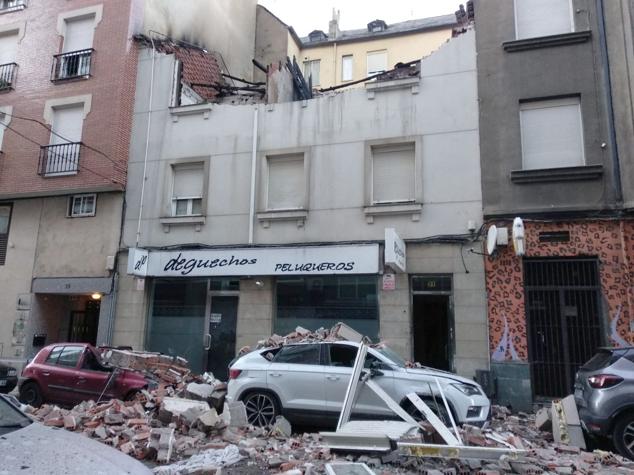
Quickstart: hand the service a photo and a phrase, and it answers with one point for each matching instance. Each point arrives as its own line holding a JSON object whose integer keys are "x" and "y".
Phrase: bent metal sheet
{"x": 352, "y": 259}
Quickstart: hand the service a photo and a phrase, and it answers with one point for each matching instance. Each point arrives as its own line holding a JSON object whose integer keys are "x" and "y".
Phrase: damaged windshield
{"x": 390, "y": 354}
{"x": 10, "y": 418}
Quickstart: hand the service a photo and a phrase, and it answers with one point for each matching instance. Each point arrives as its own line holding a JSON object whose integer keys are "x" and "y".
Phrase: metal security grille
{"x": 564, "y": 320}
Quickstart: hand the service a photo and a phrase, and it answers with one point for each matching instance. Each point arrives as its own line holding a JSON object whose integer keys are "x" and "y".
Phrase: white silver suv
{"x": 307, "y": 382}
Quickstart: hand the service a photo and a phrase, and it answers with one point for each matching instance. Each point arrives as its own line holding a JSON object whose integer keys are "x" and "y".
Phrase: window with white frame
{"x": 5, "y": 120}
{"x": 81, "y": 206}
{"x": 79, "y": 33}
{"x": 8, "y": 47}
{"x": 393, "y": 173}
{"x": 346, "y": 67}
{"x": 311, "y": 70}
{"x": 286, "y": 185}
{"x": 187, "y": 189}
{"x": 534, "y": 18}
{"x": 552, "y": 133}
{"x": 376, "y": 62}
{"x": 62, "y": 154}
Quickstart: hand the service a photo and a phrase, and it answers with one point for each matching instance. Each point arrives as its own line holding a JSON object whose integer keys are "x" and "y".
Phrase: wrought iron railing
{"x": 7, "y": 76}
{"x": 61, "y": 159}
{"x": 72, "y": 65}
{"x": 10, "y": 5}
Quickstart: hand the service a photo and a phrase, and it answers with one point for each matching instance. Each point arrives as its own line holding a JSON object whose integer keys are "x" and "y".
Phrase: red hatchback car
{"x": 68, "y": 373}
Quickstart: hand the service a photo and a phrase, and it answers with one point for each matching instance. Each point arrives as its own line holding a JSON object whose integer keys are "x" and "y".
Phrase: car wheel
{"x": 261, "y": 408}
{"x": 440, "y": 411}
{"x": 623, "y": 436}
{"x": 31, "y": 394}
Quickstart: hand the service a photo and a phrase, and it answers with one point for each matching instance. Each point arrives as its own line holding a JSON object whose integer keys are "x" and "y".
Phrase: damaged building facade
{"x": 556, "y": 151}
{"x": 361, "y": 206}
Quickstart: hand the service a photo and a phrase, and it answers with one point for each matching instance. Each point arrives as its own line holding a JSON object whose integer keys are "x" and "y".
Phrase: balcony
{"x": 7, "y": 6}
{"x": 59, "y": 160}
{"x": 7, "y": 76}
{"x": 72, "y": 65}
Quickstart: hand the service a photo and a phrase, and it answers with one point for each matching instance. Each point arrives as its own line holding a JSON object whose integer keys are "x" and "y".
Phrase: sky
{"x": 308, "y": 15}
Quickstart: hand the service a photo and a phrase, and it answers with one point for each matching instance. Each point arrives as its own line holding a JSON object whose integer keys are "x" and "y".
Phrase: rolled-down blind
{"x": 79, "y": 34}
{"x": 346, "y": 68}
{"x": 286, "y": 187}
{"x": 8, "y": 47}
{"x": 536, "y": 18}
{"x": 377, "y": 62}
{"x": 188, "y": 181}
{"x": 5, "y": 216}
{"x": 68, "y": 123}
{"x": 552, "y": 134}
{"x": 393, "y": 173}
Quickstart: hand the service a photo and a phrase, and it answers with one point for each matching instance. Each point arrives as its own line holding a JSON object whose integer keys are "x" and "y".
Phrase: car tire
{"x": 261, "y": 407}
{"x": 31, "y": 394}
{"x": 440, "y": 411}
{"x": 623, "y": 435}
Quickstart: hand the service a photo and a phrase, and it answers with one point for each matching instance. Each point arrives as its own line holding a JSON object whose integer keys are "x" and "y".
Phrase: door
{"x": 83, "y": 325}
{"x": 339, "y": 362}
{"x": 220, "y": 339}
{"x": 564, "y": 320}
{"x": 67, "y": 124}
{"x": 93, "y": 378}
{"x": 62, "y": 374}
{"x": 433, "y": 345}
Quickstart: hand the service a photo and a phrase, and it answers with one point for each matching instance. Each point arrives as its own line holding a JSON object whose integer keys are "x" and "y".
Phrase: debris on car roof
{"x": 169, "y": 369}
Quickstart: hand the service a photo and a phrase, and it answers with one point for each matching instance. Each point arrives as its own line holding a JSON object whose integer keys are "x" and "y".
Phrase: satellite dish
{"x": 518, "y": 237}
{"x": 492, "y": 239}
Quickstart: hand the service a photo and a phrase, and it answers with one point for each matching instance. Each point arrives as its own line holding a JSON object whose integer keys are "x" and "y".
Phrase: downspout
{"x": 147, "y": 143}
{"x": 607, "y": 79}
{"x": 254, "y": 156}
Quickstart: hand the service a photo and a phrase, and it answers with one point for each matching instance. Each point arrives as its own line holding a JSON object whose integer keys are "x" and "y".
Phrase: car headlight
{"x": 13, "y": 372}
{"x": 467, "y": 389}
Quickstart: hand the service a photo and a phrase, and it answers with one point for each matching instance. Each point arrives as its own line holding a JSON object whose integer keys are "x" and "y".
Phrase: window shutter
{"x": 79, "y": 34}
{"x": 188, "y": 181}
{"x": 346, "y": 68}
{"x": 286, "y": 187}
{"x": 393, "y": 173}
{"x": 5, "y": 216}
{"x": 377, "y": 62}
{"x": 536, "y": 18}
{"x": 68, "y": 122}
{"x": 552, "y": 134}
{"x": 8, "y": 47}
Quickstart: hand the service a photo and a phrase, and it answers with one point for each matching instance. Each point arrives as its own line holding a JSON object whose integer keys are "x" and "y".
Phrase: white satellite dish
{"x": 492, "y": 239}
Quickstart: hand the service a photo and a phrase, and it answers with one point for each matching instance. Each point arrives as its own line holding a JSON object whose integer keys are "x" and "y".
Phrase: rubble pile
{"x": 167, "y": 369}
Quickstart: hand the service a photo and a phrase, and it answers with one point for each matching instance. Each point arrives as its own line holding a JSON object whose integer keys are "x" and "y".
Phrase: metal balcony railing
{"x": 10, "y": 5}
{"x": 61, "y": 159}
{"x": 72, "y": 65}
{"x": 7, "y": 76}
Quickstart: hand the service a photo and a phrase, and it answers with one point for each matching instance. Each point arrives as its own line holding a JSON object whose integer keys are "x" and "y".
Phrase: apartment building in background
{"x": 555, "y": 95}
{"x": 338, "y": 57}
{"x": 67, "y": 86}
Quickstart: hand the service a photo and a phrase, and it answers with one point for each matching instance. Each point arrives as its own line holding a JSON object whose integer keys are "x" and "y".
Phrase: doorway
{"x": 220, "y": 337}
{"x": 84, "y": 324}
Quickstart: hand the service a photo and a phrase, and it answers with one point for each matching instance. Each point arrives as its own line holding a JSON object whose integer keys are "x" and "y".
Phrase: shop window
{"x": 286, "y": 182}
{"x": 298, "y": 354}
{"x": 5, "y": 221}
{"x": 376, "y": 62}
{"x": 314, "y": 302}
{"x": 346, "y": 67}
{"x": 534, "y": 18}
{"x": 552, "y": 134}
{"x": 393, "y": 173}
{"x": 311, "y": 71}
{"x": 81, "y": 206}
{"x": 187, "y": 189}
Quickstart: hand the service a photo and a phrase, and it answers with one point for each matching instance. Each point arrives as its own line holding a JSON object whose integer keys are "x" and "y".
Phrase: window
{"x": 5, "y": 119}
{"x": 80, "y": 206}
{"x": 314, "y": 302}
{"x": 62, "y": 155}
{"x": 75, "y": 60}
{"x": 341, "y": 355}
{"x": 346, "y": 67}
{"x": 79, "y": 34}
{"x": 8, "y": 50}
{"x": 376, "y": 62}
{"x": 311, "y": 71}
{"x": 298, "y": 354}
{"x": 54, "y": 354}
{"x": 286, "y": 188}
{"x": 10, "y": 5}
{"x": 70, "y": 356}
{"x": 393, "y": 173}
{"x": 187, "y": 191}
{"x": 5, "y": 221}
{"x": 552, "y": 134}
{"x": 534, "y": 18}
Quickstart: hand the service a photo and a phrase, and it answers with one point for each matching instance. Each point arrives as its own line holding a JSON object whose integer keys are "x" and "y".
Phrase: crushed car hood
{"x": 41, "y": 449}
{"x": 441, "y": 375}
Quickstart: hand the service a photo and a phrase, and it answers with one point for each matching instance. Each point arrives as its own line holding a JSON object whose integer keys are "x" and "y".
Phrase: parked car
{"x": 55, "y": 450}
{"x": 604, "y": 394}
{"x": 307, "y": 383}
{"x": 68, "y": 373}
{"x": 8, "y": 378}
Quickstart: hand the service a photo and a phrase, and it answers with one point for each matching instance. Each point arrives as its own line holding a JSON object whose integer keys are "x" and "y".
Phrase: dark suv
{"x": 604, "y": 393}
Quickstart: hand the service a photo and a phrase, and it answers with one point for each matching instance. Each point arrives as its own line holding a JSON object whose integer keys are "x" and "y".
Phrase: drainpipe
{"x": 612, "y": 142}
{"x": 254, "y": 155}
{"x": 147, "y": 142}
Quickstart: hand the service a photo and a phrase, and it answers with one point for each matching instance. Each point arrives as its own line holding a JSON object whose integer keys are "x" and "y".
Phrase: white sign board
{"x": 389, "y": 282}
{"x": 395, "y": 256}
{"x": 357, "y": 259}
{"x": 137, "y": 261}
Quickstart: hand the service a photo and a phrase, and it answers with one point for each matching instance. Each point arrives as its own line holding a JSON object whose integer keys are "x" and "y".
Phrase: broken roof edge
{"x": 291, "y": 30}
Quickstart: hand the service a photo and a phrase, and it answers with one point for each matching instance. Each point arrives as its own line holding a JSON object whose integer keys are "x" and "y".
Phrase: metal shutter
{"x": 79, "y": 34}
{"x": 393, "y": 173}
{"x": 536, "y": 18}
{"x": 286, "y": 187}
{"x": 188, "y": 181}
